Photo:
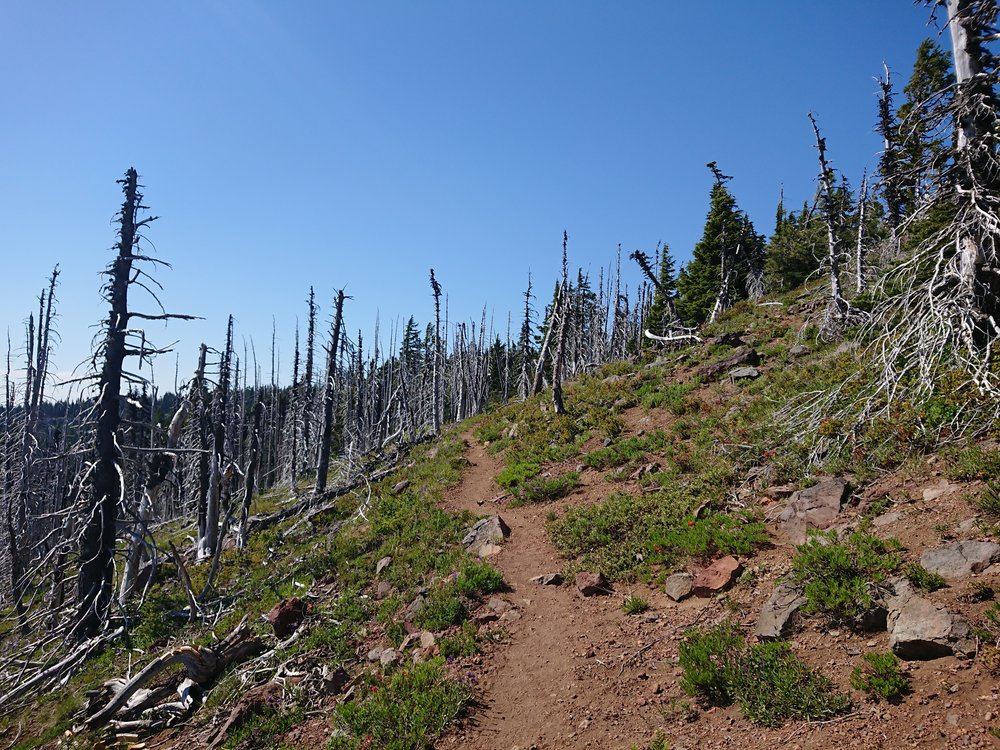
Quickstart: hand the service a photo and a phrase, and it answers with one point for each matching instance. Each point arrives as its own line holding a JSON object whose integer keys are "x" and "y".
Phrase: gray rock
{"x": 744, "y": 373}
{"x": 488, "y": 550}
{"x": 742, "y": 356}
{"x": 400, "y": 486}
{"x": 939, "y": 490}
{"x": 591, "y": 584}
{"x": 548, "y": 579}
{"x": 922, "y": 631}
{"x": 816, "y": 507}
{"x": 799, "y": 350}
{"x": 382, "y": 565}
{"x": 388, "y": 657}
{"x": 375, "y": 654}
{"x": 886, "y": 519}
{"x": 415, "y": 606}
{"x": 786, "y": 598}
{"x": 960, "y": 559}
{"x": 489, "y": 530}
{"x": 679, "y": 586}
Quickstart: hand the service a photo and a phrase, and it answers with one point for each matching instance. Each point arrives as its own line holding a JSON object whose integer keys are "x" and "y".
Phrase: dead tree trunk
{"x": 250, "y": 481}
{"x": 831, "y": 216}
{"x": 436, "y": 355}
{"x": 97, "y": 542}
{"x": 859, "y": 249}
{"x": 329, "y": 395}
{"x": 161, "y": 466}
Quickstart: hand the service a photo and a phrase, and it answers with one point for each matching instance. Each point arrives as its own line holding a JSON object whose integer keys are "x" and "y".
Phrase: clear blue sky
{"x": 360, "y": 144}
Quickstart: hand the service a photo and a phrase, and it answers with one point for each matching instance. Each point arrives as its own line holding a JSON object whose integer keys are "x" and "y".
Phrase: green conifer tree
{"x": 922, "y": 142}
{"x": 726, "y": 227}
{"x": 660, "y": 311}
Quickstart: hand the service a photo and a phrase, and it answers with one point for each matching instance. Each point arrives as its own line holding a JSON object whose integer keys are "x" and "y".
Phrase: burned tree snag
{"x": 436, "y": 355}
{"x": 97, "y": 543}
{"x": 839, "y": 309}
{"x": 329, "y": 394}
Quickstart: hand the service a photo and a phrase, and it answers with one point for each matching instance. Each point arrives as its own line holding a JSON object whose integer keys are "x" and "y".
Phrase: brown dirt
{"x": 579, "y": 673}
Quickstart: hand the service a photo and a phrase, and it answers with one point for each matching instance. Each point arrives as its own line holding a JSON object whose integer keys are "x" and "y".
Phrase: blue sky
{"x": 359, "y": 145}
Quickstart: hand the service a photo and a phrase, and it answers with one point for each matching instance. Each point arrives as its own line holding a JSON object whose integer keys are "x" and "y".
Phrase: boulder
{"x": 679, "y": 585}
{"x": 744, "y": 373}
{"x": 718, "y": 576}
{"x": 548, "y": 579}
{"x": 488, "y": 550}
{"x": 591, "y": 584}
{"x": 919, "y": 630}
{"x": 960, "y": 559}
{"x": 286, "y": 616}
{"x": 786, "y": 598}
{"x": 489, "y": 530}
{"x": 814, "y": 508}
{"x": 725, "y": 339}
{"x": 742, "y": 356}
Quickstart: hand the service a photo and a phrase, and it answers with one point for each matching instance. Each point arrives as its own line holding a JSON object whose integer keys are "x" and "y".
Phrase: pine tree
{"x": 923, "y": 144}
{"x": 727, "y": 230}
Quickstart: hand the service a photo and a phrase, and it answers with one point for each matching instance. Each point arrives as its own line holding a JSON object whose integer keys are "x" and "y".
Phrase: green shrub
{"x": 442, "y": 608}
{"x": 463, "y": 643}
{"x": 971, "y": 462}
{"x": 708, "y": 537}
{"x": 543, "y": 489}
{"x": 516, "y": 473}
{"x": 880, "y": 678}
{"x": 989, "y": 501}
{"x": 261, "y": 729}
{"x": 626, "y": 451}
{"x": 922, "y": 578}
{"x": 774, "y": 686}
{"x": 770, "y": 684}
{"x": 634, "y": 605}
{"x": 839, "y": 577}
{"x": 407, "y": 712}
{"x": 476, "y": 578}
{"x": 659, "y": 742}
{"x": 710, "y": 658}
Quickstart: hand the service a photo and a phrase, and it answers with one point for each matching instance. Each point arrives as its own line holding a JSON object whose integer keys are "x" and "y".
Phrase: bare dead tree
{"x": 839, "y": 311}
{"x": 329, "y": 396}
{"x": 436, "y": 358}
{"x": 859, "y": 247}
{"x": 95, "y": 578}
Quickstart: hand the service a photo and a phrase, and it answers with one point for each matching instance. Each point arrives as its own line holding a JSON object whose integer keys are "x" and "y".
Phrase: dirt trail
{"x": 561, "y": 679}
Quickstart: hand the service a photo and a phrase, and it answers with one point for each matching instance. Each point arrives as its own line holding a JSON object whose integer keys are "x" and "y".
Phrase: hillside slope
{"x": 398, "y": 627}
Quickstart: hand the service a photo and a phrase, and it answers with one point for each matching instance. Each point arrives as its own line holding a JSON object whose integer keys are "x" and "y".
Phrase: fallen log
{"x": 202, "y": 664}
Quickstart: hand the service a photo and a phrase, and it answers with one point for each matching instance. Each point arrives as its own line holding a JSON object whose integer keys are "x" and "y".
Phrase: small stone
{"x": 744, "y": 373}
{"x": 886, "y": 519}
{"x": 591, "y": 584}
{"x": 816, "y": 507}
{"x": 799, "y": 350}
{"x": 400, "y": 486}
{"x": 777, "y": 612}
{"x": 678, "y": 586}
{"x": 942, "y": 488}
{"x": 427, "y": 639}
{"x": 382, "y": 565}
{"x": 548, "y": 579}
{"x": 718, "y": 576}
{"x": 388, "y": 657}
{"x": 489, "y": 550}
{"x": 375, "y": 654}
